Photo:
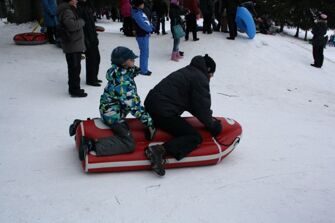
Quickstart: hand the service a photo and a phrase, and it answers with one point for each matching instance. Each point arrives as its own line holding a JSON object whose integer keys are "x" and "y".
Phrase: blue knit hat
{"x": 121, "y": 54}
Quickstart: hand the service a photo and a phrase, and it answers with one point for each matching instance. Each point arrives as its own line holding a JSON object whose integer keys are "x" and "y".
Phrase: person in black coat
{"x": 85, "y": 11}
{"x": 160, "y": 8}
{"x": 231, "y": 7}
{"x": 207, "y": 9}
{"x": 191, "y": 18}
{"x": 319, "y": 41}
{"x": 186, "y": 89}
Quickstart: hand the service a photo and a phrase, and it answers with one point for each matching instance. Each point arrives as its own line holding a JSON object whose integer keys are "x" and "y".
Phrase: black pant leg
{"x": 128, "y": 26}
{"x": 187, "y": 32}
{"x": 321, "y": 56}
{"x": 207, "y": 23}
{"x": 74, "y": 67}
{"x": 186, "y": 137}
{"x": 157, "y": 24}
{"x": 315, "y": 57}
{"x": 92, "y": 64}
{"x": 162, "y": 20}
{"x": 232, "y": 25}
{"x": 194, "y": 26}
{"x": 51, "y": 34}
{"x": 318, "y": 55}
{"x": 204, "y": 24}
{"x": 188, "y": 26}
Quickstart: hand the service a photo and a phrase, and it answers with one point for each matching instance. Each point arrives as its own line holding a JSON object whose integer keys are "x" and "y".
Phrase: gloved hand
{"x": 137, "y": 70}
{"x": 216, "y": 128}
{"x": 150, "y": 133}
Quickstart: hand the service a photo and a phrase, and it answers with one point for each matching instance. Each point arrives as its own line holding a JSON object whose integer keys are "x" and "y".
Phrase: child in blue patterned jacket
{"x": 118, "y": 100}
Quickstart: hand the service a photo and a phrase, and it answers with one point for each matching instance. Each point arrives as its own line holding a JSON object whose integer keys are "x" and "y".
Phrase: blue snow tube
{"x": 245, "y": 22}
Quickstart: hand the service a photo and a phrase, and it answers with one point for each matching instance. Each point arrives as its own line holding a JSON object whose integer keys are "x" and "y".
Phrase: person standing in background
{"x": 143, "y": 29}
{"x": 125, "y": 10}
{"x": 175, "y": 13}
{"x": 50, "y": 19}
{"x": 191, "y": 18}
{"x": 85, "y": 11}
{"x": 74, "y": 46}
{"x": 319, "y": 41}
{"x": 231, "y": 7}
{"x": 206, "y": 7}
{"x": 160, "y": 8}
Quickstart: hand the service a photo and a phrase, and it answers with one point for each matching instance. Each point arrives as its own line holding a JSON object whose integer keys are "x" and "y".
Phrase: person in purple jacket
{"x": 143, "y": 29}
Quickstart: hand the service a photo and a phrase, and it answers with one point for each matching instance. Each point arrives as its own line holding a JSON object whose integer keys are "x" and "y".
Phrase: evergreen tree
{"x": 297, "y": 13}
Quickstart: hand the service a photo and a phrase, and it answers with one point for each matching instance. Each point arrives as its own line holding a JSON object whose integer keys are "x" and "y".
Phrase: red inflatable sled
{"x": 210, "y": 152}
{"x": 99, "y": 29}
{"x": 30, "y": 38}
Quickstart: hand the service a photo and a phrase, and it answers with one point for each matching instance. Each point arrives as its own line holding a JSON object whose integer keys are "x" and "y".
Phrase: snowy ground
{"x": 282, "y": 171}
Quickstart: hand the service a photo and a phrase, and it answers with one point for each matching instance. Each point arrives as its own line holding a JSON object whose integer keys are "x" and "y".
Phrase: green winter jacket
{"x": 120, "y": 97}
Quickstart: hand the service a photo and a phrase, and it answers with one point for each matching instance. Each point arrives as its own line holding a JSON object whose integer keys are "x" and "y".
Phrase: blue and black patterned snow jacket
{"x": 120, "y": 97}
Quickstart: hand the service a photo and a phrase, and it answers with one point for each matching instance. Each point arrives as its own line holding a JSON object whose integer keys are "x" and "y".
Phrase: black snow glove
{"x": 150, "y": 133}
{"x": 216, "y": 128}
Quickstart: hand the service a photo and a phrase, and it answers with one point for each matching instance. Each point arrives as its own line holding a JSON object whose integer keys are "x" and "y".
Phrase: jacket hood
{"x": 200, "y": 63}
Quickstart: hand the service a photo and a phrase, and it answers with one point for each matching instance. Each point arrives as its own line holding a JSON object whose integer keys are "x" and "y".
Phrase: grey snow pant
{"x": 121, "y": 142}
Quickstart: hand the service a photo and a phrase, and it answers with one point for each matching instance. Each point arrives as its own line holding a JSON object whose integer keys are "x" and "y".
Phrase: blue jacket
{"x": 142, "y": 25}
{"x": 50, "y": 12}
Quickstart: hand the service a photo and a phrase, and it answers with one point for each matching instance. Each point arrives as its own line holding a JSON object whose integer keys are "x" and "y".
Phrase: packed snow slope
{"x": 282, "y": 171}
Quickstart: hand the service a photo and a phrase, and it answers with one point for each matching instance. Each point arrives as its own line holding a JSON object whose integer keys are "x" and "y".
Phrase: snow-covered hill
{"x": 282, "y": 171}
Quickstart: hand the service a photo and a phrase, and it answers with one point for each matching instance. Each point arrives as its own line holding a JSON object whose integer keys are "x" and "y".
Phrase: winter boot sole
{"x": 159, "y": 171}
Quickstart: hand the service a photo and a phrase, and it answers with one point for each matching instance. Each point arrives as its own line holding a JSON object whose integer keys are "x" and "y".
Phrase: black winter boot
{"x": 85, "y": 147}
{"x": 73, "y": 127}
{"x": 78, "y": 93}
{"x": 156, "y": 156}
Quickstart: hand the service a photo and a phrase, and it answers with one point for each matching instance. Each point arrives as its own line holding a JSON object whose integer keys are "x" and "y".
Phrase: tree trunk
{"x": 281, "y": 27}
{"x": 305, "y": 35}
{"x": 297, "y": 33}
{"x": 3, "y": 11}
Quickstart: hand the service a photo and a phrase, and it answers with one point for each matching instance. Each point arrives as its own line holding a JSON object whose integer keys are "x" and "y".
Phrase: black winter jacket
{"x": 231, "y": 5}
{"x": 206, "y": 6}
{"x": 85, "y": 11}
{"x": 186, "y": 89}
{"x": 319, "y": 31}
{"x": 160, "y": 7}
